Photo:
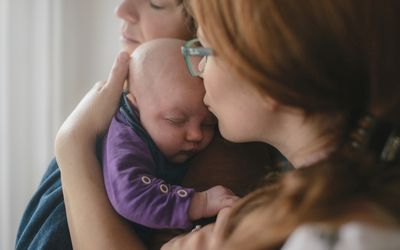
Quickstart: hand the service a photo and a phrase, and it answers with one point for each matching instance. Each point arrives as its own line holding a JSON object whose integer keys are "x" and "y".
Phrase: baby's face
{"x": 170, "y": 100}
{"x": 177, "y": 119}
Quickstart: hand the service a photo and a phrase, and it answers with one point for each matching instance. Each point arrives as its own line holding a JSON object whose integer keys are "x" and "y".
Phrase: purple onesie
{"x": 133, "y": 183}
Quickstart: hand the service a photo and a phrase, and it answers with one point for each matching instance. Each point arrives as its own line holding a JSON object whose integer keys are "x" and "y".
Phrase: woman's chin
{"x": 232, "y": 137}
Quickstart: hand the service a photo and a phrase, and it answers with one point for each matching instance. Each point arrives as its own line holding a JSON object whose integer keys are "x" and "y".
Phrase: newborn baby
{"x": 162, "y": 122}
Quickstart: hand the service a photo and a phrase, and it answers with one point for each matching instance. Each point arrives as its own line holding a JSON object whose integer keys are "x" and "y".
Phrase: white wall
{"x": 51, "y": 52}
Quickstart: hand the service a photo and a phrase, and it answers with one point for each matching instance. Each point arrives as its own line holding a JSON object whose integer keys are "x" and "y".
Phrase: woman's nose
{"x": 127, "y": 11}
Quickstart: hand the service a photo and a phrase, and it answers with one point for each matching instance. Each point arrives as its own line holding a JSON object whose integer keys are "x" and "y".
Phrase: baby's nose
{"x": 194, "y": 134}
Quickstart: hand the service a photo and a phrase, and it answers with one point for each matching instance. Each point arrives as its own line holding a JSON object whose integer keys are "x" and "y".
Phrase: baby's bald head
{"x": 168, "y": 100}
{"x": 158, "y": 62}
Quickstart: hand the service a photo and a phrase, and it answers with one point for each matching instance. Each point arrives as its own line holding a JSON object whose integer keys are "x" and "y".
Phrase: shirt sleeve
{"x": 132, "y": 188}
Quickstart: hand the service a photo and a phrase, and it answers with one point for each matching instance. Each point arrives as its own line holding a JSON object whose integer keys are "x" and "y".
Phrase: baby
{"x": 162, "y": 122}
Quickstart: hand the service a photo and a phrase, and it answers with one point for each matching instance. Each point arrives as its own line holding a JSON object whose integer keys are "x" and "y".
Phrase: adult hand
{"x": 209, "y": 237}
{"x": 92, "y": 221}
{"x": 93, "y": 114}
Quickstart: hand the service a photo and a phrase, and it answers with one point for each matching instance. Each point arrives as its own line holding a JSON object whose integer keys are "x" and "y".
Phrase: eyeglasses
{"x": 193, "y": 49}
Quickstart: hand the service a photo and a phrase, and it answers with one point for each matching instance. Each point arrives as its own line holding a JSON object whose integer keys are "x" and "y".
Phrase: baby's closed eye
{"x": 177, "y": 121}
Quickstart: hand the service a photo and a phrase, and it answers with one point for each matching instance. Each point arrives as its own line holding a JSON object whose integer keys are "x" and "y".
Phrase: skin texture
{"x": 234, "y": 102}
{"x": 273, "y": 45}
{"x": 92, "y": 221}
{"x": 76, "y": 156}
{"x": 232, "y": 157}
{"x": 301, "y": 140}
{"x": 224, "y": 88}
{"x": 81, "y": 175}
{"x": 171, "y": 109}
{"x": 144, "y": 20}
{"x": 169, "y": 100}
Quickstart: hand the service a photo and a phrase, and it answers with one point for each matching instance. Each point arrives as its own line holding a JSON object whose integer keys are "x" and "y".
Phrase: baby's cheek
{"x": 176, "y": 137}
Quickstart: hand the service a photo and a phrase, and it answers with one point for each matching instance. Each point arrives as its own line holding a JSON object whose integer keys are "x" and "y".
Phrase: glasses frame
{"x": 187, "y": 52}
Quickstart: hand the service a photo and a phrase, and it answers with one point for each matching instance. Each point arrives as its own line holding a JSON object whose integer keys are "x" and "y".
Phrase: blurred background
{"x": 51, "y": 53}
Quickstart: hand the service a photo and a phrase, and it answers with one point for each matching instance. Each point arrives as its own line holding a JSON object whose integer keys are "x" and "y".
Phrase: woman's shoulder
{"x": 349, "y": 236}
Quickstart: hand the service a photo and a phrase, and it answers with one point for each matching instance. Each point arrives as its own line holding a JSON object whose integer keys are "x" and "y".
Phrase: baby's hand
{"x": 208, "y": 203}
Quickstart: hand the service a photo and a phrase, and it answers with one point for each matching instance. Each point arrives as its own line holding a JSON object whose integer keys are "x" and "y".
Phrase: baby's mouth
{"x": 188, "y": 153}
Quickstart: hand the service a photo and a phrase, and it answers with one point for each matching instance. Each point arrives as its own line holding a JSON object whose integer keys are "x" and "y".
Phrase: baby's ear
{"x": 132, "y": 99}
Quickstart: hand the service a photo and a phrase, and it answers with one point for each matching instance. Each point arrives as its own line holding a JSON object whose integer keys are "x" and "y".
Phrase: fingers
{"x": 229, "y": 201}
{"x": 222, "y": 220}
{"x": 119, "y": 69}
{"x": 110, "y": 93}
{"x": 219, "y": 228}
{"x": 118, "y": 74}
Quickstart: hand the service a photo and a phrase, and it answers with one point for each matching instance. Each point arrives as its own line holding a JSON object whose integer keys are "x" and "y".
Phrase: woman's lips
{"x": 127, "y": 39}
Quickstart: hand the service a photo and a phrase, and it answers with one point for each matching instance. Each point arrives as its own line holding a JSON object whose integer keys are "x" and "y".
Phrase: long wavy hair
{"x": 337, "y": 58}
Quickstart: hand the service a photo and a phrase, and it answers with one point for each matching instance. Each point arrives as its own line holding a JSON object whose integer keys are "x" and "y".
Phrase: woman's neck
{"x": 305, "y": 157}
{"x": 307, "y": 141}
